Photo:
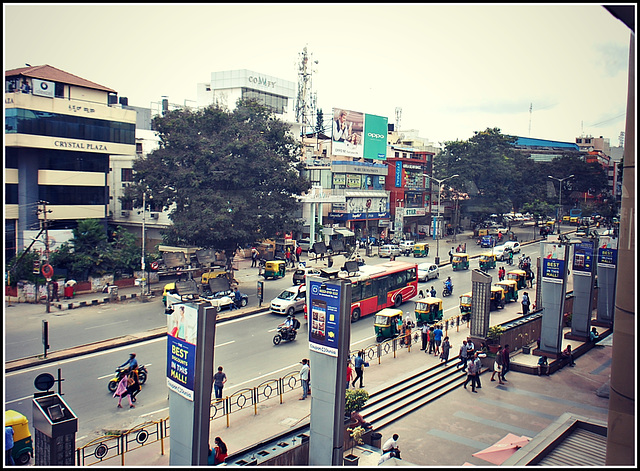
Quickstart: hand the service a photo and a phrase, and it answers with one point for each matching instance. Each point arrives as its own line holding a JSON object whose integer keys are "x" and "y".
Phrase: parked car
{"x": 428, "y": 271}
{"x": 388, "y": 250}
{"x": 305, "y": 244}
{"x": 406, "y": 246}
{"x": 224, "y": 300}
{"x": 290, "y": 300}
{"x": 513, "y": 245}
{"x": 300, "y": 275}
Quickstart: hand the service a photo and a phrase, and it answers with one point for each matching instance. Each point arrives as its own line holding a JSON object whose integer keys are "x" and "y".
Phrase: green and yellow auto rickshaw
{"x": 213, "y": 272}
{"x": 22, "y": 450}
{"x": 428, "y": 310}
{"x": 510, "y": 288}
{"x": 487, "y": 261}
{"x": 497, "y": 298}
{"x": 386, "y": 323}
{"x": 465, "y": 302}
{"x": 168, "y": 288}
{"x": 460, "y": 261}
{"x": 520, "y": 276}
{"x": 274, "y": 269}
{"x": 421, "y": 249}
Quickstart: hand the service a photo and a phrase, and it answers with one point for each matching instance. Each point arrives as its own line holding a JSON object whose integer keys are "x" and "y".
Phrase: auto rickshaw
{"x": 22, "y": 450}
{"x": 520, "y": 276}
{"x": 274, "y": 269}
{"x": 213, "y": 272}
{"x": 168, "y": 288}
{"x": 428, "y": 310}
{"x": 497, "y": 298}
{"x": 460, "y": 261}
{"x": 421, "y": 249}
{"x": 386, "y": 323}
{"x": 487, "y": 261}
{"x": 465, "y": 302}
{"x": 510, "y": 288}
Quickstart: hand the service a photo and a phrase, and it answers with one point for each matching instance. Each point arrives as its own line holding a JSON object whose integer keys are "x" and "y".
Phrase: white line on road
{"x": 19, "y": 399}
{"x": 154, "y": 412}
{"x": 104, "y": 325}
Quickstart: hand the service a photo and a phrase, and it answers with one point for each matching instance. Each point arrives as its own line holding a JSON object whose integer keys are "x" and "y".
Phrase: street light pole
{"x": 437, "y": 260}
{"x": 560, "y": 180}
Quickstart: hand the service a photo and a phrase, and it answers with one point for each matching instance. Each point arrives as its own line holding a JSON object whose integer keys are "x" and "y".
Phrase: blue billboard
{"x": 324, "y": 306}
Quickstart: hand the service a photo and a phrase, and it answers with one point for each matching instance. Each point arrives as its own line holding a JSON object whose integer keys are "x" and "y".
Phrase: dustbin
{"x": 376, "y": 440}
{"x": 55, "y": 427}
{"x": 113, "y": 293}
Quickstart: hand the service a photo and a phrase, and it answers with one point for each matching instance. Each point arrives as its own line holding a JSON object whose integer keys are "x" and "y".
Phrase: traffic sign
{"x": 44, "y": 381}
{"x": 47, "y": 271}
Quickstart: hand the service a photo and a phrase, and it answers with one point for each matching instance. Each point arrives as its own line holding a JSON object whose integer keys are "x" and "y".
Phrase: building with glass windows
{"x": 60, "y": 131}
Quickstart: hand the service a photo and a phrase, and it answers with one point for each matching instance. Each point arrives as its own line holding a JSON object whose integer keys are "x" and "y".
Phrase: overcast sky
{"x": 453, "y": 69}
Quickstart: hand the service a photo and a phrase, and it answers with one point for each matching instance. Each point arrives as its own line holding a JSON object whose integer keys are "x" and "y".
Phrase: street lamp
{"x": 437, "y": 261}
{"x": 560, "y": 180}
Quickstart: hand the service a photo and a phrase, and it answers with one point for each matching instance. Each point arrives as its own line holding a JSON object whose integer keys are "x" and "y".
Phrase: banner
{"x": 323, "y": 322}
{"x": 182, "y": 332}
{"x": 355, "y": 134}
{"x": 43, "y": 88}
{"x": 583, "y": 258}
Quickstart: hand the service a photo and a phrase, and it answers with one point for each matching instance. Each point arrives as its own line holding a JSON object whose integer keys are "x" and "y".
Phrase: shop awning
{"x": 343, "y": 231}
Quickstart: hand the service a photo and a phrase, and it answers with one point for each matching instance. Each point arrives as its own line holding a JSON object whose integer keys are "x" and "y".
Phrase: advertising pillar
{"x": 583, "y": 280}
{"x": 554, "y": 282}
{"x": 329, "y": 307}
{"x": 607, "y": 269}
{"x": 190, "y": 354}
{"x": 481, "y": 295}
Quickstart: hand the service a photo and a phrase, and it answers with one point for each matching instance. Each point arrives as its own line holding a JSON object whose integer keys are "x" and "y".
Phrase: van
{"x": 406, "y": 246}
{"x": 289, "y": 301}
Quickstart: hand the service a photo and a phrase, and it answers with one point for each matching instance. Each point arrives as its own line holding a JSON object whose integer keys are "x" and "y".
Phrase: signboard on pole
{"x": 182, "y": 332}
{"x": 324, "y": 306}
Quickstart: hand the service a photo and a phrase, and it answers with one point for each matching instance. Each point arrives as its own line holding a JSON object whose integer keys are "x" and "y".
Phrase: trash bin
{"x": 55, "y": 427}
{"x": 113, "y": 293}
{"x": 376, "y": 440}
{"x": 526, "y": 349}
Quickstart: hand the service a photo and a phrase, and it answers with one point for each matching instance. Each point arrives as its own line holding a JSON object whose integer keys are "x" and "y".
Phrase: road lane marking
{"x": 104, "y": 325}
{"x": 19, "y": 399}
{"x": 154, "y": 412}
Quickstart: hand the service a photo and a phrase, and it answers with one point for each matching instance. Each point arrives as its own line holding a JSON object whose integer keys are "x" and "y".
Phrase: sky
{"x": 544, "y": 71}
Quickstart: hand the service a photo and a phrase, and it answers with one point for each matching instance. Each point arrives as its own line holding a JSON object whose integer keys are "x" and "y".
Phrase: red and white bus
{"x": 387, "y": 284}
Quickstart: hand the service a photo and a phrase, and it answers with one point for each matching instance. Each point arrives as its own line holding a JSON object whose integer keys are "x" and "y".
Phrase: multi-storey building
{"x": 60, "y": 130}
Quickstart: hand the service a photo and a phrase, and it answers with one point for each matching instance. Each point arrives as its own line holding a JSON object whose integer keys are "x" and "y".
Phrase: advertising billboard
{"x": 355, "y": 134}
{"x": 182, "y": 332}
{"x": 583, "y": 258}
{"x": 323, "y": 321}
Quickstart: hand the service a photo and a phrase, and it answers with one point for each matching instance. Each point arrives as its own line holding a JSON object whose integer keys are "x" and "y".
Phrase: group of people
{"x": 129, "y": 385}
{"x": 430, "y": 293}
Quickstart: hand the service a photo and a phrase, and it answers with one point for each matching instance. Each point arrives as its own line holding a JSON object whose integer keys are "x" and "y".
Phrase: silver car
{"x": 290, "y": 300}
{"x": 428, "y": 271}
{"x": 388, "y": 250}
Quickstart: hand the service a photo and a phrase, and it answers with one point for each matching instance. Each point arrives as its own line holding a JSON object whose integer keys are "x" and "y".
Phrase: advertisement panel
{"x": 182, "y": 332}
{"x": 583, "y": 258}
{"x": 356, "y": 134}
{"x": 43, "y": 88}
{"x": 324, "y": 301}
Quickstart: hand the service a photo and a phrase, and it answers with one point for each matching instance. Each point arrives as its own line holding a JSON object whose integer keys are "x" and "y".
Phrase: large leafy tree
{"x": 228, "y": 177}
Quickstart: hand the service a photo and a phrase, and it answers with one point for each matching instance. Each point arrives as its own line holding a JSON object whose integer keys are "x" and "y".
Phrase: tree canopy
{"x": 228, "y": 177}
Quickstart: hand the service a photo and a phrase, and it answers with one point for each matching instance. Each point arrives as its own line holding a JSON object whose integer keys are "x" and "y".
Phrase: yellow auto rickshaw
{"x": 465, "y": 302}
{"x": 497, "y": 298}
{"x": 460, "y": 261}
{"x": 421, "y": 249}
{"x": 487, "y": 261}
{"x": 386, "y": 323}
{"x": 214, "y": 272}
{"x": 168, "y": 288}
{"x": 428, "y": 310}
{"x": 520, "y": 276}
{"x": 510, "y": 288}
{"x": 274, "y": 269}
{"x": 22, "y": 450}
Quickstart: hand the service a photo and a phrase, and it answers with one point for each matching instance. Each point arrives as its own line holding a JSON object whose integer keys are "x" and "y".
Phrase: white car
{"x": 499, "y": 252}
{"x": 388, "y": 250}
{"x": 406, "y": 246}
{"x": 290, "y": 300}
{"x": 427, "y": 271}
{"x": 305, "y": 244}
{"x": 513, "y": 245}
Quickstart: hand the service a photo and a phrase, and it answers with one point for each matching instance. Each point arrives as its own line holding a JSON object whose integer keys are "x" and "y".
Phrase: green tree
{"x": 228, "y": 178}
{"x": 20, "y": 267}
{"x": 319, "y": 121}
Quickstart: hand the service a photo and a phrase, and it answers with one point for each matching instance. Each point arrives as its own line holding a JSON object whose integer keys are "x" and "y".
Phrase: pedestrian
{"x": 437, "y": 336}
{"x": 567, "y": 355}
{"x": 121, "y": 391}
{"x": 432, "y": 341}
{"x": 463, "y": 356}
{"x": 594, "y": 336}
{"x": 451, "y": 255}
{"x": 304, "y": 378}
{"x": 298, "y": 253}
{"x": 478, "y": 367}
{"x": 425, "y": 335}
{"x": 433, "y": 292}
{"x": 506, "y": 361}
{"x": 219, "y": 379}
{"x": 497, "y": 366}
{"x": 543, "y": 364}
{"x": 254, "y": 257}
{"x": 8, "y": 446}
{"x": 349, "y": 373}
{"x": 446, "y": 346}
{"x": 420, "y": 294}
{"x": 133, "y": 384}
{"x": 391, "y": 447}
{"x": 55, "y": 295}
{"x": 470, "y": 348}
{"x": 407, "y": 331}
{"x": 471, "y": 375}
{"x": 287, "y": 257}
{"x": 359, "y": 365}
{"x": 219, "y": 451}
{"x": 525, "y": 303}
{"x": 501, "y": 273}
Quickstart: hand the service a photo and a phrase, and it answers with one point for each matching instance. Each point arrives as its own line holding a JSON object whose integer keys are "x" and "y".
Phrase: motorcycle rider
{"x": 131, "y": 363}
{"x": 292, "y": 325}
{"x": 449, "y": 285}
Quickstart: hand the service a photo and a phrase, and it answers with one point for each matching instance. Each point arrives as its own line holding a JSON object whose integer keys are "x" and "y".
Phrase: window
{"x": 397, "y": 154}
{"x": 139, "y": 148}
{"x": 127, "y": 174}
{"x": 72, "y": 195}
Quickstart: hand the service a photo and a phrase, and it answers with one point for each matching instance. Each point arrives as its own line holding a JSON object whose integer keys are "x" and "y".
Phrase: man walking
{"x": 471, "y": 374}
{"x": 425, "y": 335}
{"x": 463, "y": 356}
{"x": 304, "y": 378}
{"x": 525, "y": 303}
{"x": 218, "y": 382}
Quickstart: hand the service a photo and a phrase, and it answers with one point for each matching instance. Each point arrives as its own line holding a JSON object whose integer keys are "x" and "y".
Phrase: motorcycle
{"x": 119, "y": 374}
{"x": 284, "y": 334}
{"x": 446, "y": 291}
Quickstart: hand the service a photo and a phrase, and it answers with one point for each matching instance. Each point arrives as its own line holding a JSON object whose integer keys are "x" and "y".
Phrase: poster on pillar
{"x": 607, "y": 253}
{"x": 182, "y": 332}
{"x": 552, "y": 264}
{"x": 583, "y": 258}
{"x": 324, "y": 306}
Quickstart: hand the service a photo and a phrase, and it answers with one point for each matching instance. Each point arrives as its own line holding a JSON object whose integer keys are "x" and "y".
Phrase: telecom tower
{"x": 398, "y": 118}
{"x": 306, "y": 100}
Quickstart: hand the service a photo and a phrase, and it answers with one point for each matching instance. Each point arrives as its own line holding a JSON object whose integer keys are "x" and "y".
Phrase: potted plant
{"x": 494, "y": 337}
{"x": 356, "y": 437}
{"x": 355, "y": 399}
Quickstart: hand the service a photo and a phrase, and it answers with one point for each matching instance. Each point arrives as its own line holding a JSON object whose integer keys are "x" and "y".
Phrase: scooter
{"x": 446, "y": 291}
{"x": 119, "y": 374}
{"x": 284, "y": 334}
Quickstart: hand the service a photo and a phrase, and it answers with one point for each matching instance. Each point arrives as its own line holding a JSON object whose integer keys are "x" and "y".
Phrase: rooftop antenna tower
{"x": 305, "y": 108}
{"x": 398, "y": 118}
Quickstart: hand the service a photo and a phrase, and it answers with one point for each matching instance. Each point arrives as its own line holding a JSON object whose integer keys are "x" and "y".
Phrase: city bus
{"x": 376, "y": 287}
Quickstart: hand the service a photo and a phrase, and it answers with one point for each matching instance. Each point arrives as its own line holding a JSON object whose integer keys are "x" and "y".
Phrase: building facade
{"x": 60, "y": 131}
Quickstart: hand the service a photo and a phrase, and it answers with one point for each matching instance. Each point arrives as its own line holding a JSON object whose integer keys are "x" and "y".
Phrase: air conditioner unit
{"x": 124, "y": 214}
{"x": 154, "y": 215}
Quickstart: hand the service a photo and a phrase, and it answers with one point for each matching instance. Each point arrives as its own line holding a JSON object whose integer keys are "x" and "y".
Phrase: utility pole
{"x": 142, "y": 264}
{"x": 46, "y": 245}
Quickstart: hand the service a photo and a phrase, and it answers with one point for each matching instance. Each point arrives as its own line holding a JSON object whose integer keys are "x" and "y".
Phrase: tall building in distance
{"x": 60, "y": 131}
